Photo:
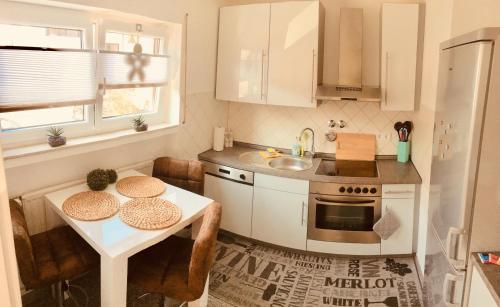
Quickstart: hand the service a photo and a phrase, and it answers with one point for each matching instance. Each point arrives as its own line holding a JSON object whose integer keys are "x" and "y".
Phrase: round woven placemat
{"x": 150, "y": 213}
{"x": 140, "y": 186}
{"x": 91, "y": 206}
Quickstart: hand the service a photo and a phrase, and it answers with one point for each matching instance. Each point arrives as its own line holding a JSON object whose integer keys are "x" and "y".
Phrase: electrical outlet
{"x": 384, "y": 136}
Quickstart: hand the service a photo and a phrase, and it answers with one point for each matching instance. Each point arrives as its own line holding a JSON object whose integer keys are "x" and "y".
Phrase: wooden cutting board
{"x": 356, "y": 146}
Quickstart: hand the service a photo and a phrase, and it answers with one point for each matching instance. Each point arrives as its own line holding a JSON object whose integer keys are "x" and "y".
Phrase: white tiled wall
{"x": 203, "y": 114}
{"x": 278, "y": 126}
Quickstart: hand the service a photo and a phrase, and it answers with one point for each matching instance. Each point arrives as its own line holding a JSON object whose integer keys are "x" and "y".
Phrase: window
{"x": 115, "y": 104}
{"x": 21, "y": 35}
{"x": 129, "y": 101}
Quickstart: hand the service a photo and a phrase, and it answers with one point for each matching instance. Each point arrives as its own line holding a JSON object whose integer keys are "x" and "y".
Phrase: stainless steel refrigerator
{"x": 464, "y": 206}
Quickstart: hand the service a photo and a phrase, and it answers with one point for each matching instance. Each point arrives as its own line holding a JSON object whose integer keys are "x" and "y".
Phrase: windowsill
{"x": 16, "y": 157}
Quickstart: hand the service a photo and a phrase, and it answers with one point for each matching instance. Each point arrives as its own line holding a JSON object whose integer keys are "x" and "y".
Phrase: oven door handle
{"x": 359, "y": 202}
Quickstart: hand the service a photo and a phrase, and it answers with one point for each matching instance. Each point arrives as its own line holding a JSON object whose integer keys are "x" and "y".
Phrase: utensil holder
{"x": 403, "y": 152}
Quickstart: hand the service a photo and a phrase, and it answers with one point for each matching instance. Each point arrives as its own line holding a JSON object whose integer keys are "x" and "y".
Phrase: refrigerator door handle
{"x": 451, "y": 249}
{"x": 447, "y": 296}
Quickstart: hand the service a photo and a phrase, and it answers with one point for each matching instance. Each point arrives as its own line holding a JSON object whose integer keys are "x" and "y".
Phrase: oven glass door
{"x": 343, "y": 216}
{"x": 343, "y": 219}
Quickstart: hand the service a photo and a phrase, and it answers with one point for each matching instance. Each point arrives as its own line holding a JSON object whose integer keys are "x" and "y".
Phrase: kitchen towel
{"x": 219, "y": 138}
{"x": 387, "y": 225}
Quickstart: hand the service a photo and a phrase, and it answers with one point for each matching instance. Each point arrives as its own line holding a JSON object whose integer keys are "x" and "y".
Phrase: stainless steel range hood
{"x": 350, "y": 62}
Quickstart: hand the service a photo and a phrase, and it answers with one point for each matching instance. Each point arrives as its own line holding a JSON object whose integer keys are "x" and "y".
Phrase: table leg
{"x": 114, "y": 281}
{"x": 203, "y": 300}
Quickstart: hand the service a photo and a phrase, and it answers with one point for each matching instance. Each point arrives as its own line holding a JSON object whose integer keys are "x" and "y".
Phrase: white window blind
{"x": 125, "y": 70}
{"x": 33, "y": 78}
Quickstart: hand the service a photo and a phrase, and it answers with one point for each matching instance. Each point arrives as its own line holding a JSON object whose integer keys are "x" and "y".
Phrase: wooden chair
{"x": 178, "y": 267}
{"x": 187, "y": 175}
{"x": 50, "y": 258}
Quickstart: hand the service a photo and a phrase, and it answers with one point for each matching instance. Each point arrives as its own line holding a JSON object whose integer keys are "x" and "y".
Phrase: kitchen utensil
{"x": 405, "y": 134}
{"x": 408, "y": 125}
{"x": 398, "y": 126}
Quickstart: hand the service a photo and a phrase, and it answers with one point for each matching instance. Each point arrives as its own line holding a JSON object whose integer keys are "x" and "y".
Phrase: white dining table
{"x": 116, "y": 241}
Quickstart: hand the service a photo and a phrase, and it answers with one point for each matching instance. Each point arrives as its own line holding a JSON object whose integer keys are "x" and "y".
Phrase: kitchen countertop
{"x": 390, "y": 171}
{"x": 490, "y": 273}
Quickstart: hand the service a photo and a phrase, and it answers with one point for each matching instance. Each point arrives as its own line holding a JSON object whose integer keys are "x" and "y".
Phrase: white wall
{"x": 470, "y": 15}
{"x": 203, "y": 111}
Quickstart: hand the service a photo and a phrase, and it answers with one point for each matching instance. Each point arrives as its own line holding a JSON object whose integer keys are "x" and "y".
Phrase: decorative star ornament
{"x": 137, "y": 62}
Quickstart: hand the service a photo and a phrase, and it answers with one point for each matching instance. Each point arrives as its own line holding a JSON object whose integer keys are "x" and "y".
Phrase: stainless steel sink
{"x": 290, "y": 164}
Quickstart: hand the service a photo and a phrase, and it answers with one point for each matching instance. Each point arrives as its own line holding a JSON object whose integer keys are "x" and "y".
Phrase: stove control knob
{"x": 342, "y": 189}
{"x": 349, "y": 190}
{"x": 243, "y": 177}
{"x": 357, "y": 190}
{"x": 373, "y": 190}
{"x": 365, "y": 190}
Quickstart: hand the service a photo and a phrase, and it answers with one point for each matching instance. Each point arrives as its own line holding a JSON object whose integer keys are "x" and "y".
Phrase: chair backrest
{"x": 188, "y": 175}
{"x": 24, "y": 250}
{"x": 203, "y": 254}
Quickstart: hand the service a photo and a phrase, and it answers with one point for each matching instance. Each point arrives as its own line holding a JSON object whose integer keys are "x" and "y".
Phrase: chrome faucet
{"x": 312, "y": 143}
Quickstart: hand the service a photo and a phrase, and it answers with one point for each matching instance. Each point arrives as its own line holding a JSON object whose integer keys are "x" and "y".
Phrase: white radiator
{"x": 40, "y": 217}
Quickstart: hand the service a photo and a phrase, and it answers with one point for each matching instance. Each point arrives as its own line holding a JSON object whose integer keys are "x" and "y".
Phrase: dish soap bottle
{"x": 296, "y": 148}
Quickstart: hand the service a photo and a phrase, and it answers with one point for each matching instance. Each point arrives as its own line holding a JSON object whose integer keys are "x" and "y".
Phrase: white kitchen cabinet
{"x": 280, "y": 217}
{"x": 242, "y": 53}
{"x": 399, "y": 52}
{"x": 295, "y": 53}
{"x": 479, "y": 294}
{"x": 271, "y": 53}
{"x": 236, "y": 201}
{"x": 400, "y": 200}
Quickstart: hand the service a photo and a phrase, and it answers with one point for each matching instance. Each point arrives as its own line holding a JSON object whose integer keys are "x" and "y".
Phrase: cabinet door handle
{"x": 302, "y": 216}
{"x": 386, "y": 77}
{"x": 313, "y": 72}
{"x": 448, "y": 279}
{"x": 398, "y": 192}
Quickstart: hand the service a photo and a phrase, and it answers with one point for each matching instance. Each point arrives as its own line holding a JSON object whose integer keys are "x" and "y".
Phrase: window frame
{"x": 93, "y": 37}
{"x": 160, "y": 115}
{"x": 26, "y": 136}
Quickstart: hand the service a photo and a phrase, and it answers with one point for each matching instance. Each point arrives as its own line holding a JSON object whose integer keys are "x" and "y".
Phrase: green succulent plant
{"x": 55, "y": 131}
{"x": 139, "y": 121}
{"x": 112, "y": 175}
{"x": 98, "y": 179}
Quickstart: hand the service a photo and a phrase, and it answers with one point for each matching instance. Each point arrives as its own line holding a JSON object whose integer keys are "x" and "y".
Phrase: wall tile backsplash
{"x": 278, "y": 126}
{"x": 195, "y": 136}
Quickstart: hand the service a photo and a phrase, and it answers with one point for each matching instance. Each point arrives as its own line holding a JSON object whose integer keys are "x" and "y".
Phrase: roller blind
{"x": 125, "y": 70}
{"x": 33, "y": 78}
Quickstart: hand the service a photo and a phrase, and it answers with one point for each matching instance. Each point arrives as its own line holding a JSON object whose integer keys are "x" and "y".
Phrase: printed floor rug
{"x": 249, "y": 274}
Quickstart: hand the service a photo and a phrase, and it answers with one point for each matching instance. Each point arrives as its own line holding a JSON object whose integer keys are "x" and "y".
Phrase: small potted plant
{"x": 55, "y": 136}
{"x": 140, "y": 124}
{"x": 98, "y": 179}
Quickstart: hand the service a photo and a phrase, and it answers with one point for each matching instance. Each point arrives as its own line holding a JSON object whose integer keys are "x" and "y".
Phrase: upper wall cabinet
{"x": 399, "y": 52}
{"x": 271, "y": 53}
{"x": 242, "y": 55}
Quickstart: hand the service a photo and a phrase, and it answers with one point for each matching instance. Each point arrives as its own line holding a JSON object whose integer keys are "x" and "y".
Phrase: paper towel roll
{"x": 219, "y": 138}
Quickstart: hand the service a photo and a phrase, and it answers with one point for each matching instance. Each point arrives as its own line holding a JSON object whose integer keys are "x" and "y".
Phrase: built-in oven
{"x": 343, "y": 212}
